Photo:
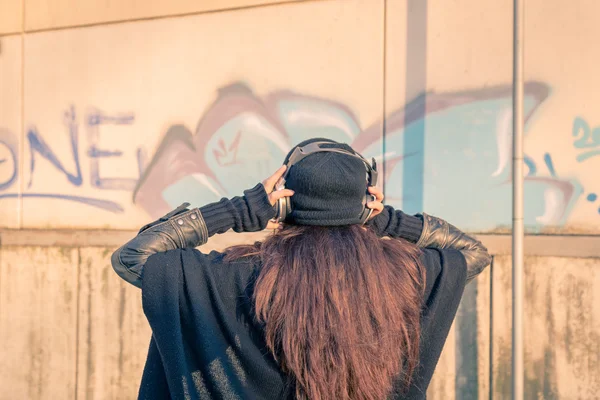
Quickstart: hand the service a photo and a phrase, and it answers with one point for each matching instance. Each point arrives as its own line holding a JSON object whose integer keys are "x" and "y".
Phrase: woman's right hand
{"x": 275, "y": 194}
{"x": 271, "y": 182}
{"x": 377, "y": 204}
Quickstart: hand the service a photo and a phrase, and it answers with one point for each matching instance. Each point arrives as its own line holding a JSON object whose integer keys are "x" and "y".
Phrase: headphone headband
{"x": 301, "y": 153}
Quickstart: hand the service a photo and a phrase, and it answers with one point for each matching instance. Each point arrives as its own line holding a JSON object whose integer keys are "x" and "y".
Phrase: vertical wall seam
{"x": 21, "y": 163}
{"x": 78, "y": 310}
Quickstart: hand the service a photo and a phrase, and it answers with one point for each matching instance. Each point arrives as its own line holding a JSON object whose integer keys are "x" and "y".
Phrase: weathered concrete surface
{"x": 38, "y": 323}
{"x": 113, "y": 332}
{"x": 562, "y": 328}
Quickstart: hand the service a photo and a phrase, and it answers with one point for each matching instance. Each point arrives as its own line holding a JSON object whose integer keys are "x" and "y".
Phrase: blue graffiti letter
{"x": 37, "y": 144}
{"x": 94, "y": 121}
{"x": 590, "y": 138}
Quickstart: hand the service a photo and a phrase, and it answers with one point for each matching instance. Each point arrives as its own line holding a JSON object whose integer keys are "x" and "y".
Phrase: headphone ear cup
{"x": 366, "y": 212}
{"x": 280, "y": 208}
{"x": 283, "y": 209}
{"x": 288, "y": 207}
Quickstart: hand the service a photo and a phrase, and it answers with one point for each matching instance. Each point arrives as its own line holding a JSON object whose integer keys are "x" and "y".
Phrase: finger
{"x": 377, "y": 208}
{"x": 270, "y": 182}
{"x": 274, "y": 225}
{"x": 278, "y": 194}
{"x": 375, "y": 191}
{"x": 375, "y": 205}
{"x": 374, "y": 214}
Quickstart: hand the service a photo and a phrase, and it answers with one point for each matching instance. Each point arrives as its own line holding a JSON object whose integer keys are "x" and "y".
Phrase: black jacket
{"x": 205, "y": 341}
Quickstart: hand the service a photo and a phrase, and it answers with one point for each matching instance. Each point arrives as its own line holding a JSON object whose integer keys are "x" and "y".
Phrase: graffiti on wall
{"x": 37, "y": 149}
{"x": 465, "y": 155}
{"x": 587, "y": 142}
{"x": 466, "y": 158}
{"x": 587, "y": 139}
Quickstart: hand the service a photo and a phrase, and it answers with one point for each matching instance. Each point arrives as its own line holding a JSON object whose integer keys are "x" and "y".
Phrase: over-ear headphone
{"x": 284, "y": 206}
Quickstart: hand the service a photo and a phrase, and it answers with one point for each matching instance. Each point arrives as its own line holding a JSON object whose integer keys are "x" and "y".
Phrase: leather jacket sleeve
{"x": 440, "y": 234}
{"x": 181, "y": 228}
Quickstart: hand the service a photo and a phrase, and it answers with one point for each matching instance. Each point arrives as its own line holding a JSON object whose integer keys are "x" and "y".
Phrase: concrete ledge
{"x": 585, "y": 246}
{"x": 535, "y": 245}
{"x": 64, "y": 237}
{"x": 103, "y": 238}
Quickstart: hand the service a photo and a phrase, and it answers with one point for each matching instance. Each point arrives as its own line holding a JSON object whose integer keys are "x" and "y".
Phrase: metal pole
{"x": 518, "y": 228}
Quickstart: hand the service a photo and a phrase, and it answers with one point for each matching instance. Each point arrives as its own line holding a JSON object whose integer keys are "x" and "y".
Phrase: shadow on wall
{"x": 463, "y": 140}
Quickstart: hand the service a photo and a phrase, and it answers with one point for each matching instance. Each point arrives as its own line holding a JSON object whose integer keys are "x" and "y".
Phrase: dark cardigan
{"x": 205, "y": 342}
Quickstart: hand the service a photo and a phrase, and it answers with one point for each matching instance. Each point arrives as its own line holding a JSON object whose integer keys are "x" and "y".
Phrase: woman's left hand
{"x": 377, "y": 204}
{"x": 275, "y": 195}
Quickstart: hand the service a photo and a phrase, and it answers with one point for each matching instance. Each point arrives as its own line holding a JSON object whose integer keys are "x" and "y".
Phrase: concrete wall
{"x": 113, "y": 112}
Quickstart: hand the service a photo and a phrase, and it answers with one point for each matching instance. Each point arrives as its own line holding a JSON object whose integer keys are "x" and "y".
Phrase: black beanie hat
{"x": 329, "y": 188}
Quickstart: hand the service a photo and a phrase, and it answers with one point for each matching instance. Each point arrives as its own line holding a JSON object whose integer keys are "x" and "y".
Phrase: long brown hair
{"x": 341, "y": 309}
